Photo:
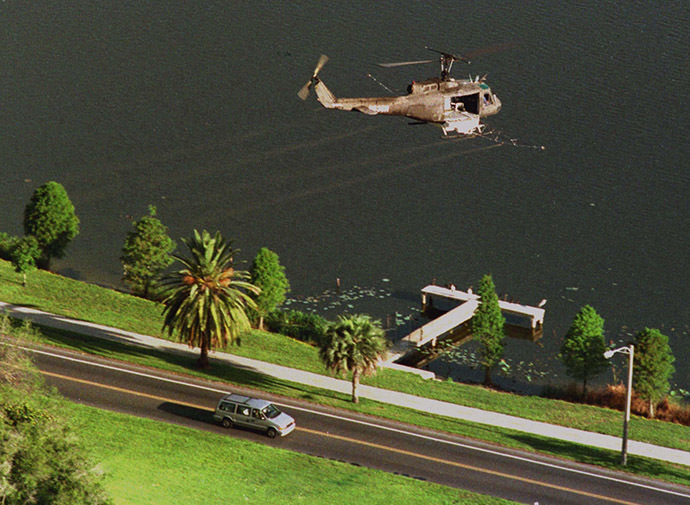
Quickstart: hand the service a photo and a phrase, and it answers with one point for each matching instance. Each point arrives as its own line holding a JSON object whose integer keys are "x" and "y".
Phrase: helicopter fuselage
{"x": 456, "y": 105}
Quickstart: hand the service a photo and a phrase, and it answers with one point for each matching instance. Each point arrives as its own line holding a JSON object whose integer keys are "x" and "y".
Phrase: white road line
{"x": 366, "y": 423}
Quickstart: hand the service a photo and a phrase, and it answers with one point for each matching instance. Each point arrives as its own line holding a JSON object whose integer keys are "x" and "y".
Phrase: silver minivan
{"x": 254, "y": 413}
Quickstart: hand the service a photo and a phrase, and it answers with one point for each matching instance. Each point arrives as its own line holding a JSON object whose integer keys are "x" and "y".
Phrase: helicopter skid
{"x": 471, "y": 133}
{"x": 462, "y": 124}
{"x": 460, "y": 136}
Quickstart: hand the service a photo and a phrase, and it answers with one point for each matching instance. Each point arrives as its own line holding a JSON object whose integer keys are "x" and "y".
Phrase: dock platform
{"x": 452, "y": 326}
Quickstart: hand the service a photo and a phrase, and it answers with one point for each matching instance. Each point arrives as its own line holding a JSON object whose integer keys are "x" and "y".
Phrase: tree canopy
{"x": 205, "y": 301}
{"x": 487, "y": 327}
{"x": 146, "y": 253}
{"x": 41, "y": 460}
{"x": 652, "y": 366}
{"x": 356, "y": 344}
{"x": 49, "y": 216}
{"x": 269, "y": 275}
{"x": 582, "y": 351}
{"x": 24, "y": 255}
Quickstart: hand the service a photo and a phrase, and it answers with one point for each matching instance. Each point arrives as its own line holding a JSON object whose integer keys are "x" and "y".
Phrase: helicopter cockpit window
{"x": 487, "y": 99}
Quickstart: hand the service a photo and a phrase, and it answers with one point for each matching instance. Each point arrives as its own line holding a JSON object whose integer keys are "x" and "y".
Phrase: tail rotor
{"x": 303, "y": 93}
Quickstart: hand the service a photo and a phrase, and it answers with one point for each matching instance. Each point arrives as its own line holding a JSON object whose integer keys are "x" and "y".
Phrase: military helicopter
{"x": 456, "y": 105}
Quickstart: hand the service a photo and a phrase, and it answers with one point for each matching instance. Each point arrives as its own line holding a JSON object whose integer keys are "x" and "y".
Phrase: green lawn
{"x": 64, "y": 296}
{"x": 152, "y": 463}
{"x": 88, "y": 302}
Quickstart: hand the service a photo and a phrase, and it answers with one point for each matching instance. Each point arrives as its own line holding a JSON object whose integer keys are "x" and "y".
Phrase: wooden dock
{"x": 452, "y": 326}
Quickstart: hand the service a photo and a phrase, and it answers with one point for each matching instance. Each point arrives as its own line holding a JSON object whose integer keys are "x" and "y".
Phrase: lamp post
{"x": 630, "y": 351}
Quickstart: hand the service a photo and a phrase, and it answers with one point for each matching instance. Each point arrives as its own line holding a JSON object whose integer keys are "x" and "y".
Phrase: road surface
{"x": 341, "y": 435}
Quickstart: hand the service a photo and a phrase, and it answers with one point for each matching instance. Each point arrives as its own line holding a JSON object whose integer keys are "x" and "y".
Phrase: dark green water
{"x": 192, "y": 106}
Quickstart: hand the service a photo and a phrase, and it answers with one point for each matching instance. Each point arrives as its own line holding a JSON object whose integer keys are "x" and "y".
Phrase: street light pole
{"x": 630, "y": 351}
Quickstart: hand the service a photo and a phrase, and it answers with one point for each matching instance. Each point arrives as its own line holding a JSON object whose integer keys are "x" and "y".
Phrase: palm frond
{"x": 205, "y": 301}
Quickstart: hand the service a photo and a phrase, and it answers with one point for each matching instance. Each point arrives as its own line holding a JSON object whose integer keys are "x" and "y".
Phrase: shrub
{"x": 307, "y": 327}
{"x": 613, "y": 397}
{"x": 667, "y": 411}
{"x": 7, "y": 243}
{"x": 41, "y": 460}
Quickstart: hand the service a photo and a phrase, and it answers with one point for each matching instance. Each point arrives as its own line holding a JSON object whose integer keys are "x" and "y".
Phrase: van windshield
{"x": 271, "y": 411}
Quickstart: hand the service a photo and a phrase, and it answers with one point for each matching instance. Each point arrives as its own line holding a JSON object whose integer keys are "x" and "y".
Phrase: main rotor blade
{"x": 497, "y": 48}
{"x": 322, "y": 61}
{"x": 303, "y": 93}
{"x": 448, "y": 55}
{"x": 403, "y": 63}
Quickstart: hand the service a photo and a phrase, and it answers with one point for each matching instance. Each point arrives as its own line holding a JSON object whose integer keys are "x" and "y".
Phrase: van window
{"x": 256, "y": 413}
{"x": 243, "y": 411}
{"x": 271, "y": 411}
{"x": 227, "y": 407}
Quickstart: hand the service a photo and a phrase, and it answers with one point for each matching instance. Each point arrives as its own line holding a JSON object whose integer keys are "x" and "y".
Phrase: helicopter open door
{"x": 465, "y": 103}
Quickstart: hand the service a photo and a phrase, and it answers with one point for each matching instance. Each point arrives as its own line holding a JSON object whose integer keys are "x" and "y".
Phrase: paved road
{"x": 357, "y": 439}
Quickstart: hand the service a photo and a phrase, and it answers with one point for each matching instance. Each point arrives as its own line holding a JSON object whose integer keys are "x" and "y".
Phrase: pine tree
{"x": 24, "y": 254}
{"x": 652, "y": 367}
{"x": 487, "y": 327}
{"x": 146, "y": 253}
{"x": 269, "y": 275}
{"x": 49, "y": 216}
{"x": 583, "y": 348}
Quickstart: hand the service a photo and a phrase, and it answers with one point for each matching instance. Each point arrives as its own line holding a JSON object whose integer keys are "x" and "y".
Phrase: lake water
{"x": 192, "y": 107}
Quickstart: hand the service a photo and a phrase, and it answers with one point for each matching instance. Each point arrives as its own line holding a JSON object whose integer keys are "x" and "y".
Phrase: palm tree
{"x": 353, "y": 343}
{"x": 205, "y": 301}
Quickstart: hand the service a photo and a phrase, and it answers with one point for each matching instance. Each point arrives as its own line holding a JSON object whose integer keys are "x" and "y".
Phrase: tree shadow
{"x": 11, "y": 278}
{"x": 603, "y": 457}
{"x": 130, "y": 350}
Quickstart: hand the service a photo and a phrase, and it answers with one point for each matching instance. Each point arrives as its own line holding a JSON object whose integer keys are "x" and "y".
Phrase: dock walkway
{"x": 446, "y": 324}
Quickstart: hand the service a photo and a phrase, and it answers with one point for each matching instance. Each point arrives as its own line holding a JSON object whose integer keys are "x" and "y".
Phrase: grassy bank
{"x": 141, "y": 467}
{"x": 229, "y": 376}
{"x": 56, "y": 294}
{"x": 80, "y": 300}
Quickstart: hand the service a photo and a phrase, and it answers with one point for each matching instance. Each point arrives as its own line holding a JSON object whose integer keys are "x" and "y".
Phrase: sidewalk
{"x": 342, "y": 386}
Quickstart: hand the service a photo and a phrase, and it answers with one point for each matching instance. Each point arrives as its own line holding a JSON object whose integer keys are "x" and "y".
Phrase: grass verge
{"x": 150, "y": 463}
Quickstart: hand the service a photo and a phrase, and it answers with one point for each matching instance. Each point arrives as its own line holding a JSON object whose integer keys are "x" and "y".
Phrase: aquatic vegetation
{"x": 332, "y": 299}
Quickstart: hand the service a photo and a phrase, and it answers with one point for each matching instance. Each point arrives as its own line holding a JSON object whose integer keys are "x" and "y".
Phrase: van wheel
{"x": 227, "y": 422}
{"x": 271, "y": 432}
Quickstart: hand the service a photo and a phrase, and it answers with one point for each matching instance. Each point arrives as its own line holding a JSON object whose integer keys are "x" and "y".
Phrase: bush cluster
{"x": 305, "y": 326}
{"x": 7, "y": 243}
{"x": 613, "y": 397}
{"x": 41, "y": 460}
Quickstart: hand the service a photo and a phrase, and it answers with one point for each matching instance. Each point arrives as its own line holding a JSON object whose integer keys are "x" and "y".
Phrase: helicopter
{"x": 456, "y": 105}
